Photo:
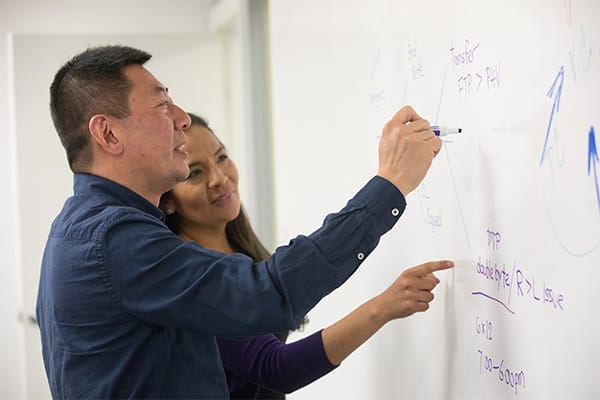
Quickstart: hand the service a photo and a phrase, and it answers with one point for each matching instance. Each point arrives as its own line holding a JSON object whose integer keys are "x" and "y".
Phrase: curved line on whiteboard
{"x": 574, "y": 253}
{"x": 495, "y": 299}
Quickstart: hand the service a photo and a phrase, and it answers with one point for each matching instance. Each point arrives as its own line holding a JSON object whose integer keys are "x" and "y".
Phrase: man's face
{"x": 153, "y": 134}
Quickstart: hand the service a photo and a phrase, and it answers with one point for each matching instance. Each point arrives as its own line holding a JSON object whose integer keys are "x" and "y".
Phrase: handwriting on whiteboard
{"x": 377, "y": 92}
{"x": 500, "y": 284}
{"x": 415, "y": 63}
{"x": 593, "y": 160}
{"x": 474, "y": 76}
{"x": 493, "y": 365}
{"x": 490, "y": 365}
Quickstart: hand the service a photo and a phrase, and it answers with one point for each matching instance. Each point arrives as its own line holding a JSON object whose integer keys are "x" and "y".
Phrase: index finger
{"x": 431, "y": 266}
{"x": 405, "y": 115}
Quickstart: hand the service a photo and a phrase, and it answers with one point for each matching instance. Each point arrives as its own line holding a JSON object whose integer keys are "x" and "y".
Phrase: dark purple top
{"x": 265, "y": 361}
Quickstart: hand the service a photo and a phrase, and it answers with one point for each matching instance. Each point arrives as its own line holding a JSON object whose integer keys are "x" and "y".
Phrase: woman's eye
{"x": 194, "y": 173}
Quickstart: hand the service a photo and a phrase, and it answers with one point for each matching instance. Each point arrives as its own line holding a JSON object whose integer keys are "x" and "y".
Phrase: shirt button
{"x": 360, "y": 256}
{"x": 395, "y": 212}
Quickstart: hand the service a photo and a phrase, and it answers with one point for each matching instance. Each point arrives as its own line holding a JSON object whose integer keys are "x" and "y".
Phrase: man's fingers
{"x": 420, "y": 128}
{"x": 405, "y": 115}
{"x": 428, "y": 136}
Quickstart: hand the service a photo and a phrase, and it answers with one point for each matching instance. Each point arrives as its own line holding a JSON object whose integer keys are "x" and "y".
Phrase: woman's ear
{"x": 167, "y": 204}
{"x": 103, "y": 135}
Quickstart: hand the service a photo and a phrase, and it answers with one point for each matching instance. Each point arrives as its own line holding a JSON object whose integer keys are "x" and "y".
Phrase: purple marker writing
{"x": 444, "y": 130}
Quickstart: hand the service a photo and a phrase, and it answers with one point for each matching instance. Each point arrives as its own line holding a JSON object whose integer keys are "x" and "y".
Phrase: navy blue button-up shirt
{"x": 129, "y": 310}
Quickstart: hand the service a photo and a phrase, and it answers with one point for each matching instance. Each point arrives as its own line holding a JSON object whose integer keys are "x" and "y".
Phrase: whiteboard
{"x": 514, "y": 199}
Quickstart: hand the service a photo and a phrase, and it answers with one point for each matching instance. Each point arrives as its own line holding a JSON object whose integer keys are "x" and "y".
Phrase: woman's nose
{"x": 217, "y": 178}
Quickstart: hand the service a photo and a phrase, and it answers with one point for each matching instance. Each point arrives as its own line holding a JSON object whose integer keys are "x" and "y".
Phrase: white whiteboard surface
{"x": 514, "y": 200}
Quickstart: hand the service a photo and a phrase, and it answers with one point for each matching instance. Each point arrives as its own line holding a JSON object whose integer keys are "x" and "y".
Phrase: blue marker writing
{"x": 444, "y": 130}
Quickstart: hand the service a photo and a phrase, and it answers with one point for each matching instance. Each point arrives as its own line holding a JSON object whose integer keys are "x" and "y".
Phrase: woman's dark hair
{"x": 90, "y": 83}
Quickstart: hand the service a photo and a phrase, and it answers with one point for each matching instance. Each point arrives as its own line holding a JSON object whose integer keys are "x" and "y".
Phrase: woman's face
{"x": 209, "y": 197}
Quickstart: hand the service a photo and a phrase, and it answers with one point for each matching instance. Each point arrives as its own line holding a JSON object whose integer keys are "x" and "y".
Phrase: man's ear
{"x": 101, "y": 132}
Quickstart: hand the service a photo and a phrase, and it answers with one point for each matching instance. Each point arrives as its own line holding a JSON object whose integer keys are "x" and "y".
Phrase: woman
{"x": 206, "y": 208}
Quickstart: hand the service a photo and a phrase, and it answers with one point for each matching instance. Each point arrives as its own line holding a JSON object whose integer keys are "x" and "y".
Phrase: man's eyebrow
{"x": 161, "y": 89}
{"x": 220, "y": 149}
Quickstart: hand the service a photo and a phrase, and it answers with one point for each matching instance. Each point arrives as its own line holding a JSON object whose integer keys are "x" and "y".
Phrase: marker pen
{"x": 444, "y": 130}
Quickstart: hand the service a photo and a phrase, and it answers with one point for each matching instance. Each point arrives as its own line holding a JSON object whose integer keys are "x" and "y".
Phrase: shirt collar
{"x": 93, "y": 184}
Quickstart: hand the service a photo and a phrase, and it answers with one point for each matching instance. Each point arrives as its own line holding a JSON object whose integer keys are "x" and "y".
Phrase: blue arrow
{"x": 593, "y": 160}
{"x": 560, "y": 77}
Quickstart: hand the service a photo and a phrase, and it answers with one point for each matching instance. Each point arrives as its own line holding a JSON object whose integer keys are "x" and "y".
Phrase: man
{"x": 129, "y": 310}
